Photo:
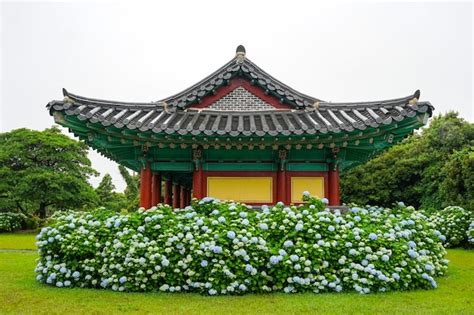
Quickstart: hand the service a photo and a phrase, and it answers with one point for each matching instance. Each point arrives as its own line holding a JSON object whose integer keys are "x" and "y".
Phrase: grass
{"x": 20, "y": 293}
{"x": 18, "y": 240}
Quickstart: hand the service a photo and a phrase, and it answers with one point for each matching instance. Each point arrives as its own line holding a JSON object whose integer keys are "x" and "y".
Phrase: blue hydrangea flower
{"x": 355, "y": 210}
{"x": 372, "y": 236}
{"x": 331, "y": 228}
{"x": 204, "y": 263}
{"x": 217, "y": 249}
{"x": 248, "y": 268}
{"x": 263, "y": 226}
{"x": 274, "y": 260}
{"x": 288, "y": 244}
{"x": 412, "y": 253}
{"x": 212, "y": 292}
{"x": 325, "y": 200}
{"x": 299, "y": 227}
{"x": 385, "y": 258}
{"x": 231, "y": 234}
{"x": 123, "y": 279}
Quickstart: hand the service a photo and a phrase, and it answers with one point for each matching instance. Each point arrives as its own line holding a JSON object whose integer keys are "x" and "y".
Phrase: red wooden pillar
{"x": 281, "y": 186}
{"x": 168, "y": 192}
{"x": 145, "y": 186}
{"x": 197, "y": 184}
{"x": 182, "y": 197}
{"x": 156, "y": 189}
{"x": 176, "y": 192}
{"x": 333, "y": 185}
{"x": 188, "y": 196}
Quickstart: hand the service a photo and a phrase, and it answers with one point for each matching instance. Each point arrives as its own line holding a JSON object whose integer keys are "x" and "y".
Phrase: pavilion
{"x": 239, "y": 134}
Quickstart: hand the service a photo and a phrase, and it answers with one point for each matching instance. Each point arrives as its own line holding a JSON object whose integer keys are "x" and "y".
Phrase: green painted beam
{"x": 307, "y": 167}
{"x": 172, "y": 166}
{"x": 240, "y": 167}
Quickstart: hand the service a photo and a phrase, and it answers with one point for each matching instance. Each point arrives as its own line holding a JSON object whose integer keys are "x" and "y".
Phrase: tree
{"x": 418, "y": 171}
{"x": 105, "y": 190}
{"x": 458, "y": 186}
{"x": 132, "y": 181}
{"x": 41, "y": 169}
{"x": 131, "y": 191}
{"x": 110, "y": 199}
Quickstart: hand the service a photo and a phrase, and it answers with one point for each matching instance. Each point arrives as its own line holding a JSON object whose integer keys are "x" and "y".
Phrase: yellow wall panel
{"x": 315, "y": 186}
{"x": 243, "y": 189}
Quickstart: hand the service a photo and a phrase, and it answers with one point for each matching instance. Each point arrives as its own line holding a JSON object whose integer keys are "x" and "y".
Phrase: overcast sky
{"x": 145, "y": 52}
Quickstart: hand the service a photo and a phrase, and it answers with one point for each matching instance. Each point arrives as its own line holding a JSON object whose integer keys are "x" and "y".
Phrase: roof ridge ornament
{"x": 240, "y": 54}
{"x": 68, "y": 100}
{"x": 416, "y": 97}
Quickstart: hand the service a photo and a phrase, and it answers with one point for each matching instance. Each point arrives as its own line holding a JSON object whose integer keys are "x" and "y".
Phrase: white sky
{"x": 138, "y": 51}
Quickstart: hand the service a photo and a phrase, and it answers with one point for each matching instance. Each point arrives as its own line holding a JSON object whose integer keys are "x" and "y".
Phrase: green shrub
{"x": 31, "y": 223}
{"x": 11, "y": 221}
{"x": 215, "y": 247}
{"x": 452, "y": 222}
{"x": 470, "y": 233}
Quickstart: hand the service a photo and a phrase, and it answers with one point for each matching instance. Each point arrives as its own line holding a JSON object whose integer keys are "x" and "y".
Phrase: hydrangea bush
{"x": 452, "y": 222}
{"x": 215, "y": 247}
{"x": 470, "y": 233}
{"x": 11, "y": 221}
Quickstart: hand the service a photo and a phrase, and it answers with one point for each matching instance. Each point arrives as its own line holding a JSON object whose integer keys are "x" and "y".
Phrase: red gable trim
{"x": 239, "y": 82}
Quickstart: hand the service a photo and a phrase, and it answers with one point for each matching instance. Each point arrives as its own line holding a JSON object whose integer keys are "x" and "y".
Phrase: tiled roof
{"x": 272, "y": 122}
{"x": 176, "y": 115}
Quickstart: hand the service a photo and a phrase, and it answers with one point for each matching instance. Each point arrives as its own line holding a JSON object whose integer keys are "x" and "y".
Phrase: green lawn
{"x": 19, "y": 293}
{"x": 18, "y": 240}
